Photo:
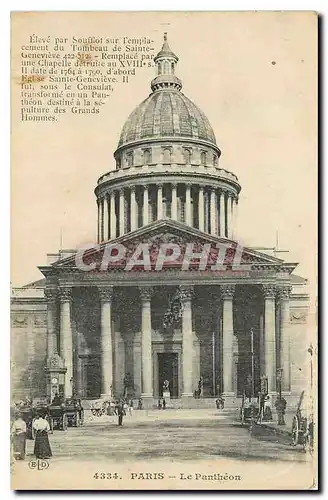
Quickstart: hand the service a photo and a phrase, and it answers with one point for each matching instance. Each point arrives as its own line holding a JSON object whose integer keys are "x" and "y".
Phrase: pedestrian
{"x": 267, "y": 413}
{"x": 57, "y": 400}
{"x": 18, "y": 436}
{"x": 131, "y": 407}
{"x": 112, "y": 408}
{"x": 120, "y": 412}
{"x": 159, "y": 404}
{"x": 42, "y": 428}
{"x": 164, "y": 404}
{"x": 261, "y": 407}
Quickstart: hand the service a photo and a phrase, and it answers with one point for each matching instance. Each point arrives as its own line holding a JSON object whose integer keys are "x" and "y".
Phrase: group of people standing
{"x": 41, "y": 429}
{"x": 120, "y": 408}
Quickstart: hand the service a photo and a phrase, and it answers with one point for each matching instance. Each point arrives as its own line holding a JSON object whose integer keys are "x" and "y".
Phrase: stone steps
{"x": 174, "y": 403}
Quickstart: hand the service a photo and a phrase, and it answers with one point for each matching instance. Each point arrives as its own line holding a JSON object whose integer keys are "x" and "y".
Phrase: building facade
{"x": 167, "y": 293}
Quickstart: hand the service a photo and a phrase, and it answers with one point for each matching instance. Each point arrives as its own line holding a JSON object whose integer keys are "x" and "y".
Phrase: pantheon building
{"x": 219, "y": 325}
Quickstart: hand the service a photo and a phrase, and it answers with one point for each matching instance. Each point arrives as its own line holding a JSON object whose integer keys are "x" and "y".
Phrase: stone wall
{"x": 28, "y": 349}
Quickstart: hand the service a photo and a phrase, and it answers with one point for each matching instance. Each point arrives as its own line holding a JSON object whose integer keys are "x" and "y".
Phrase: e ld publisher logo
{"x": 39, "y": 464}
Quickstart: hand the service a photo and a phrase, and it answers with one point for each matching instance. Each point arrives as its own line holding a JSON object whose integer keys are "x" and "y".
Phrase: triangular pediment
{"x": 167, "y": 243}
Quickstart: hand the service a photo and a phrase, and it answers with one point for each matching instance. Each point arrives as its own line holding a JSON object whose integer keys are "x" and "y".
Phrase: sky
{"x": 255, "y": 77}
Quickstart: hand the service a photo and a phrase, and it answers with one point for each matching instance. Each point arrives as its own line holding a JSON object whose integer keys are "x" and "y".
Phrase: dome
{"x": 167, "y": 113}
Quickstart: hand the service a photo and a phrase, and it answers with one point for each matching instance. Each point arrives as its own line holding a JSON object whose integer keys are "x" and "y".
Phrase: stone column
{"x": 222, "y": 215}
{"x": 262, "y": 344}
{"x": 51, "y": 295}
{"x": 270, "y": 336}
{"x": 106, "y": 294}
{"x": 146, "y": 347}
{"x": 79, "y": 380}
{"x": 284, "y": 294}
{"x": 99, "y": 220}
{"x": 174, "y": 207}
{"x": 133, "y": 209}
{"x": 121, "y": 213}
{"x": 232, "y": 209}
{"x": 187, "y": 340}
{"x": 235, "y": 219}
{"x": 159, "y": 201}
{"x": 201, "y": 215}
{"x": 188, "y": 205}
{"x": 112, "y": 216}
{"x": 213, "y": 212}
{"x": 227, "y": 293}
{"x": 145, "y": 216}
{"x": 106, "y": 220}
{"x": 66, "y": 340}
{"x": 229, "y": 215}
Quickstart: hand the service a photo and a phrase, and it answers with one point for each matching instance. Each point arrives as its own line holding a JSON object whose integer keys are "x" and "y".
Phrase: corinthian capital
{"x": 51, "y": 294}
{"x": 284, "y": 292}
{"x": 65, "y": 294}
{"x": 227, "y": 291}
{"x": 146, "y": 293}
{"x": 185, "y": 292}
{"x": 269, "y": 291}
{"x": 105, "y": 293}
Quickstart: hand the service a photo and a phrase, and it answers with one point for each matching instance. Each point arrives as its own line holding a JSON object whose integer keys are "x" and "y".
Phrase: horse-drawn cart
{"x": 57, "y": 417}
{"x": 74, "y": 412}
{"x": 303, "y": 424}
{"x": 249, "y": 410}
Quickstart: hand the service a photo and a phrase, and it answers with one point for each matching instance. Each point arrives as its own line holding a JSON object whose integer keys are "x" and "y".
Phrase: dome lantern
{"x": 165, "y": 62}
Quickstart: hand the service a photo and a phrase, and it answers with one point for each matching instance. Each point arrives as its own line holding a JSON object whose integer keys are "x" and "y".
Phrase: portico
{"x": 124, "y": 335}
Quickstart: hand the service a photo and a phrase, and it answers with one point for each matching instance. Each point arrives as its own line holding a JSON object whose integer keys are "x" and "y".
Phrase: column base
{"x": 186, "y": 396}
{"x": 106, "y": 396}
{"x": 230, "y": 400}
{"x": 147, "y": 401}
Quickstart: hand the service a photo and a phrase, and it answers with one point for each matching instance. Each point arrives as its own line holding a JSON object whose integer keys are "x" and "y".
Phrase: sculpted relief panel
{"x": 298, "y": 315}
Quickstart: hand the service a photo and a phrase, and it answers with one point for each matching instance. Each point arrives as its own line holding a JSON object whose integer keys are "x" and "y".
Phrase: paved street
{"x": 180, "y": 435}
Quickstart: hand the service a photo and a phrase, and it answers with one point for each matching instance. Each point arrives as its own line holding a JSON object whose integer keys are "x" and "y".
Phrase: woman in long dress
{"x": 18, "y": 433}
{"x": 41, "y": 445}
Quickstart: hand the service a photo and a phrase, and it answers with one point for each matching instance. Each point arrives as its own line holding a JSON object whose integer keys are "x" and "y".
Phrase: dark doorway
{"x": 168, "y": 370}
{"x": 93, "y": 378}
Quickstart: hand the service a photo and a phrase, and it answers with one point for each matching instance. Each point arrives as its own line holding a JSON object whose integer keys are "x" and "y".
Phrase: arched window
{"x": 159, "y": 68}
{"x": 147, "y": 157}
{"x": 166, "y": 155}
{"x": 118, "y": 163}
{"x": 187, "y": 156}
{"x": 166, "y": 67}
{"x": 203, "y": 158}
{"x": 129, "y": 159}
{"x": 215, "y": 161}
{"x": 172, "y": 68}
